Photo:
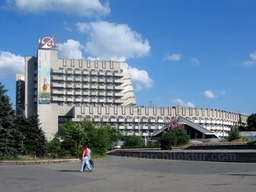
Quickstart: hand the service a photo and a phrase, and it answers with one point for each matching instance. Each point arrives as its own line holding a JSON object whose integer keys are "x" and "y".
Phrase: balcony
{"x": 85, "y": 99}
{"x": 57, "y": 91}
{"x": 69, "y": 85}
{"x": 78, "y": 79}
{"x": 118, "y": 81}
{"x": 118, "y": 88}
{"x": 69, "y": 92}
{"x": 78, "y": 93}
{"x": 119, "y": 101}
{"x": 77, "y": 99}
{"x": 101, "y": 93}
{"x": 116, "y": 74}
{"x": 58, "y": 71}
{"x": 85, "y": 86}
{"x": 57, "y": 78}
{"x": 97, "y": 119}
{"x": 85, "y": 73}
{"x": 101, "y": 73}
{"x": 57, "y": 98}
{"x": 118, "y": 94}
{"x": 93, "y": 86}
{"x": 110, "y": 94}
{"x": 109, "y": 73}
{"x": 101, "y": 80}
{"x": 94, "y": 79}
{"x": 102, "y": 100}
{"x": 69, "y": 79}
{"x": 101, "y": 87}
{"x": 86, "y": 79}
{"x": 109, "y": 80}
{"x": 69, "y": 99}
{"x": 121, "y": 120}
{"x": 94, "y": 93}
{"x": 94, "y": 100}
{"x": 110, "y": 87}
{"x": 93, "y": 72}
{"x": 58, "y": 85}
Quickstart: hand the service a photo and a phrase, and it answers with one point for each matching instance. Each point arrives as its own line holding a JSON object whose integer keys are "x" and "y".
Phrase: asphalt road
{"x": 123, "y": 174}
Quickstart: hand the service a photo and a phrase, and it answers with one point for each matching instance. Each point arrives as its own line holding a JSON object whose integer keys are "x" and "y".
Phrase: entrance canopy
{"x": 193, "y": 129}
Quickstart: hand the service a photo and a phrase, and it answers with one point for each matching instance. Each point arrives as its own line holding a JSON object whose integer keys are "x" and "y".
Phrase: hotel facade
{"x": 59, "y": 89}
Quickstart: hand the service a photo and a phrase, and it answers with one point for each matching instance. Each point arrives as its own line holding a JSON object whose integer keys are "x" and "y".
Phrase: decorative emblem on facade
{"x": 47, "y": 43}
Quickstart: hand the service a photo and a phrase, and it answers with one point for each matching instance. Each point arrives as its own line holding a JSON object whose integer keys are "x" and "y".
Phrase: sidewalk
{"x": 36, "y": 161}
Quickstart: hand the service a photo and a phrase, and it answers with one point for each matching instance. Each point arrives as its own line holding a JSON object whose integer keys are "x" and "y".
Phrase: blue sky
{"x": 191, "y": 53}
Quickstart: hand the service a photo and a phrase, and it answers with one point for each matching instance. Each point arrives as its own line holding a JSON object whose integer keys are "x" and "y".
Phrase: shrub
{"x": 233, "y": 134}
{"x": 175, "y": 137}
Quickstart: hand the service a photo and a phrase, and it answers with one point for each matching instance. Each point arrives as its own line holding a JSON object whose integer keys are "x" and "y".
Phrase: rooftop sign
{"x": 47, "y": 43}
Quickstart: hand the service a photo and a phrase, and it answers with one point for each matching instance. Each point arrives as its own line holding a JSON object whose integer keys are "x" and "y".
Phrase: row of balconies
{"x": 87, "y": 72}
{"x": 87, "y": 93}
{"x": 86, "y": 100}
{"x": 86, "y": 86}
{"x": 134, "y": 120}
{"x": 216, "y": 122}
{"x": 87, "y": 79}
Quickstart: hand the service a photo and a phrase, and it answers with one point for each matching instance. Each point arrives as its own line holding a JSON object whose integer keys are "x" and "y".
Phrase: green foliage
{"x": 114, "y": 135}
{"x": 233, "y": 134}
{"x": 34, "y": 141}
{"x": 251, "y": 122}
{"x": 253, "y": 142}
{"x": 99, "y": 141}
{"x": 175, "y": 137}
{"x": 54, "y": 149}
{"x": 75, "y": 134}
{"x": 7, "y": 128}
{"x": 133, "y": 141}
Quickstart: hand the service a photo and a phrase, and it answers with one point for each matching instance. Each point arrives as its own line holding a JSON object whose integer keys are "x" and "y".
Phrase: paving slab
{"x": 123, "y": 174}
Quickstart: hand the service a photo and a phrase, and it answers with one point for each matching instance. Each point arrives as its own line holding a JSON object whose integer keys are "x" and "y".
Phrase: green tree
{"x": 34, "y": 138}
{"x": 99, "y": 141}
{"x": 175, "y": 137}
{"x": 233, "y": 134}
{"x": 251, "y": 122}
{"x": 54, "y": 149}
{"x": 7, "y": 128}
{"x": 133, "y": 141}
{"x": 20, "y": 125}
{"x": 114, "y": 135}
{"x": 74, "y": 136}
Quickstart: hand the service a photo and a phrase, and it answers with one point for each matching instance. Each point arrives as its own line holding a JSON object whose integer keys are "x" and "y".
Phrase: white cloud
{"x": 253, "y": 56}
{"x": 180, "y": 102}
{"x": 252, "y": 60}
{"x": 113, "y": 41}
{"x": 84, "y": 8}
{"x": 10, "y": 64}
{"x": 195, "y": 61}
{"x": 173, "y": 57}
{"x": 71, "y": 49}
{"x": 209, "y": 94}
{"x": 140, "y": 78}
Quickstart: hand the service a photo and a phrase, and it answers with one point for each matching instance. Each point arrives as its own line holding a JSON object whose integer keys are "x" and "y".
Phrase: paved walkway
{"x": 123, "y": 174}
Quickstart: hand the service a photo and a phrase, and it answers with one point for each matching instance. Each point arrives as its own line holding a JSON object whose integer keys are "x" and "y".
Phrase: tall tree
{"x": 7, "y": 129}
{"x": 251, "y": 122}
{"x": 34, "y": 140}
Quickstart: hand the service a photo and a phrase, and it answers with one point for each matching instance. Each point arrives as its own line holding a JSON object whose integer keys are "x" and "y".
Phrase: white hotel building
{"x": 101, "y": 91}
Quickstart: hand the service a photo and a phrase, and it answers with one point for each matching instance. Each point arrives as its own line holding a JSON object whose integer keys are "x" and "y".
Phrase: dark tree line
{"x": 18, "y": 135}
{"x": 251, "y": 124}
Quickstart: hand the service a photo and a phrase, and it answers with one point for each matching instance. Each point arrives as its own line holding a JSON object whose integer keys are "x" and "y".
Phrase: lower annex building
{"x": 60, "y": 89}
